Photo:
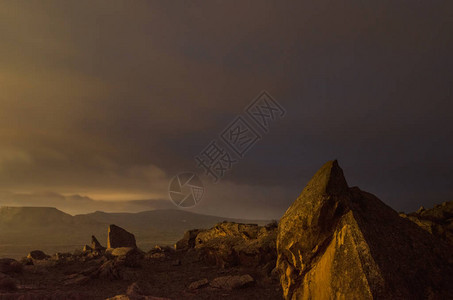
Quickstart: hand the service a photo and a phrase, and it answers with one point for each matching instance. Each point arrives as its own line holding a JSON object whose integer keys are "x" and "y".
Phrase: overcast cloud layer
{"x": 108, "y": 100}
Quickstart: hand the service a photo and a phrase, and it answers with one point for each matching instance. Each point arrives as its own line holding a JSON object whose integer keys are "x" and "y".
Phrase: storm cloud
{"x": 111, "y": 99}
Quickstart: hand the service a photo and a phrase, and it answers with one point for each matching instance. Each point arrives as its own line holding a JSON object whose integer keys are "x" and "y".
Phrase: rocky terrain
{"x": 333, "y": 242}
{"x": 123, "y": 271}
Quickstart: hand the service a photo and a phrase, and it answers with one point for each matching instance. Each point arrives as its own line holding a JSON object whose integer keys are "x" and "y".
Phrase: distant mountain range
{"x": 23, "y": 229}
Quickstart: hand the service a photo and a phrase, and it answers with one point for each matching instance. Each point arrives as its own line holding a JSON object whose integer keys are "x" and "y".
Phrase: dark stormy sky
{"x": 103, "y": 102}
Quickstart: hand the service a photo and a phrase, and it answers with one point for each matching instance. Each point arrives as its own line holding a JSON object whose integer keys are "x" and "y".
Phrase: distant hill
{"x": 46, "y": 228}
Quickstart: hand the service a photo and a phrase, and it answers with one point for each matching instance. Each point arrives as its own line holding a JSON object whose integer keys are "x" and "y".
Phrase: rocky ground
{"x": 128, "y": 273}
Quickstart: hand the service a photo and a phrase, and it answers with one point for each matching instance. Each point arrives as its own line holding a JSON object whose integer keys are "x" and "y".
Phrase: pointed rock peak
{"x": 95, "y": 243}
{"x": 328, "y": 180}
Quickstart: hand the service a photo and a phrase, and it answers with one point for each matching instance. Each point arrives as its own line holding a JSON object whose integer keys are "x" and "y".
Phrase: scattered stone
{"x": 118, "y": 237}
{"x": 37, "y": 255}
{"x": 232, "y": 282}
{"x": 198, "y": 284}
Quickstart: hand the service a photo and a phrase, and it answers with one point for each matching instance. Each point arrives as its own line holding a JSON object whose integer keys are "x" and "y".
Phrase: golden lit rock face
{"x": 336, "y": 242}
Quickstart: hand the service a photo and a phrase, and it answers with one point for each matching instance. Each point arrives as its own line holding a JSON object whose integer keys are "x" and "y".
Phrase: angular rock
{"x": 232, "y": 282}
{"x": 228, "y": 244}
{"x": 340, "y": 242}
{"x": 188, "y": 240}
{"x": 38, "y": 255}
{"x": 118, "y": 237}
{"x": 95, "y": 244}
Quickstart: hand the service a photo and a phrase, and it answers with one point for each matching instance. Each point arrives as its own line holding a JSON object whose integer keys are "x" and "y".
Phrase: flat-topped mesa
{"x": 119, "y": 237}
{"x": 340, "y": 242}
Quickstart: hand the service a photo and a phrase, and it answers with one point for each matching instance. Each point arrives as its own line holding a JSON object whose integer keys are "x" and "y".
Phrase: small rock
{"x": 38, "y": 255}
{"x": 62, "y": 256}
{"x": 420, "y": 210}
{"x": 198, "y": 284}
{"x": 26, "y": 261}
{"x": 79, "y": 279}
{"x": 123, "y": 251}
{"x": 159, "y": 248}
{"x": 232, "y": 282}
{"x": 155, "y": 256}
